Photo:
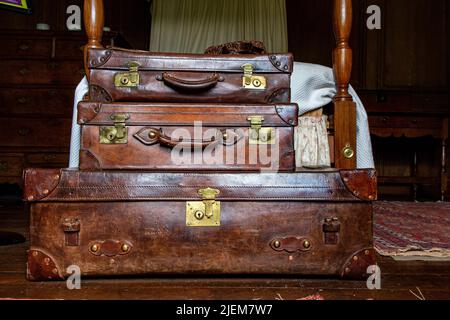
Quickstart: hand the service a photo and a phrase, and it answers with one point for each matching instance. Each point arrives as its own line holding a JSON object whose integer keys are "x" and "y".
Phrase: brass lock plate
{"x": 258, "y": 135}
{"x": 108, "y": 135}
{"x": 130, "y": 79}
{"x": 264, "y": 136}
{"x": 204, "y": 213}
{"x": 117, "y": 134}
{"x": 250, "y": 81}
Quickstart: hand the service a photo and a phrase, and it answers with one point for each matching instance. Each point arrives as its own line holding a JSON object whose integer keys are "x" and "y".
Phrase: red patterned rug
{"x": 412, "y": 230}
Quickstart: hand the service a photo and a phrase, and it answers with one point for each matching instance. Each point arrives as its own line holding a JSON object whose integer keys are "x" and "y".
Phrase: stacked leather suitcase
{"x": 187, "y": 166}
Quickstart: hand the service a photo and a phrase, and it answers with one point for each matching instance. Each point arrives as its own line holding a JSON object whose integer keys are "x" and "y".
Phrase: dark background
{"x": 401, "y": 72}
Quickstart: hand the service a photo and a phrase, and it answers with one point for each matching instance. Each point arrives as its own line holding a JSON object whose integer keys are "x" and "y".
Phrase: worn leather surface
{"x": 147, "y": 212}
{"x": 172, "y": 121}
{"x": 105, "y": 63}
{"x": 87, "y": 186}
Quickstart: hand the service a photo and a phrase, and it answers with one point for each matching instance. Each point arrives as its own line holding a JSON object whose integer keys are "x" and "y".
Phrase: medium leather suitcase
{"x": 219, "y": 137}
{"x": 125, "y": 75}
{"x": 122, "y": 224}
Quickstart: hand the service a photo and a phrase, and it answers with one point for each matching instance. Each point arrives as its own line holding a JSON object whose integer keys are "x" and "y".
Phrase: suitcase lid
{"x": 119, "y": 59}
{"x": 162, "y": 114}
{"x": 53, "y": 185}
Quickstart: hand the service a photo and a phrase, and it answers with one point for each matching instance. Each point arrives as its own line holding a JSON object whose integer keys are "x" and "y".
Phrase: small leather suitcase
{"x": 125, "y": 75}
{"x": 155, "y": 136}
{"x": 122, "y": 224}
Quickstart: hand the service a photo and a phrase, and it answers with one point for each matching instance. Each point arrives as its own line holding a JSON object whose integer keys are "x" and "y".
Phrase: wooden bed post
{"x": 94, "y": 20}
{"x": 344, "y": 107}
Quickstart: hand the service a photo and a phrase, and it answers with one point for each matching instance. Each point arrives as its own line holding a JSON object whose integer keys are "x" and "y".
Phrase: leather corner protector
{"x": 355, "y": 268}
{"x": 40, "y": 183}
{"x": 88, "y": 161}
{"x": 97, "y": 93}
{"x": 281, "y": 62}
{"x": 361, "y": 183}
{"x": 285, "y": 113}
{"x": 99, "y": 58}
{"x": 42, "y": 267}
{"x": 88, "y": 111}
{"x": 280, "y": 95}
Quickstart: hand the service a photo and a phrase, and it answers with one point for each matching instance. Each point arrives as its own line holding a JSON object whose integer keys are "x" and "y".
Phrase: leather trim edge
{"x": 42, "y": 267}
{"x": 97, "y": 93}
{"x": 88, "y": 161}
{"x": 88, "y": 111}
{"x": 361, "y": 183}
{"x": 355, "y": 268}
{"x": 40, "y": 183}
{"x": 284, "y": 114}
{"x": 100, "y": 58}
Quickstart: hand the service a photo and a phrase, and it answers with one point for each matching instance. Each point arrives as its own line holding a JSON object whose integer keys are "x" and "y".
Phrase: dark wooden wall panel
{"x": 131, "y": 18}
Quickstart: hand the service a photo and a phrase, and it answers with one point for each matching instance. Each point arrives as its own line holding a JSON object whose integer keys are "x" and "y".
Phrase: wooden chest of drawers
{"x": 39, "y": 73}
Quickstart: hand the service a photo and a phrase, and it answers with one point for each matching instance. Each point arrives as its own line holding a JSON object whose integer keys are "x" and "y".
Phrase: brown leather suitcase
{"x": 125, "y": 75}
{"x": 121, "y": 224}
{"x": 156, "y": 136}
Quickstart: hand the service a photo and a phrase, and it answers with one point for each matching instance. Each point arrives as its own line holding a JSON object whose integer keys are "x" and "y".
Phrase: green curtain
{"x": 190, "y": 26}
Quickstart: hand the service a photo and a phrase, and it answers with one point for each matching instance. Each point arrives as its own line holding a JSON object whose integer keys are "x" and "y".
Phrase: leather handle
{"x": 151, "y": 136}
{"x": 190, "y": 84}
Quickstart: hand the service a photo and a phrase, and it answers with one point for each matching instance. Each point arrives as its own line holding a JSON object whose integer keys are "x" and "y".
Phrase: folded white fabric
{"x": 312, "y": 86}
{"x": 75, "y": 140}
{"x": 312, "y": 149}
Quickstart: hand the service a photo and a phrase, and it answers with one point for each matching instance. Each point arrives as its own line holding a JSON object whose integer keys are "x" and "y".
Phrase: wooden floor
{"x": 399, "y": 280}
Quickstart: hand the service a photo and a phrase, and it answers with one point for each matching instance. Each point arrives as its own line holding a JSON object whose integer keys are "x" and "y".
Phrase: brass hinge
{"x": 250, "y": 81}
{"x": 258, "y": 134}
{"x": 117, "y": 134}
{"x": 204, "y": 213}
{"x": 128, "y": 79}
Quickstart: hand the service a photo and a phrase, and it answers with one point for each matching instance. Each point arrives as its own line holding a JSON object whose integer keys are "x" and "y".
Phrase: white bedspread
{"x": 312, "y": 86}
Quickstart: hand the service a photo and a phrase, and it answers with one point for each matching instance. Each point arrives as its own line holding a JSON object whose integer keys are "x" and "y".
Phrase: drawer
{"x": 432, "y": 103}
{"x": 404, "y": 122}
{"x": 31, "y": 132}
{"x": 69, "y": 49}
{"x": 26, "y": 48}
{"x": 37, "y": 72}
{"x": 57, "y": 101}
{"x": 386, "y": 102}
{"x": 11, "y": 165}
{"x": 43, "y": 160}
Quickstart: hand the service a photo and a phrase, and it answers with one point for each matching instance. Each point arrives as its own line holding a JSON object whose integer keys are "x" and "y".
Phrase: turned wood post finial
{"x": 342, "y": 54}
{"x": 94, "y": 20}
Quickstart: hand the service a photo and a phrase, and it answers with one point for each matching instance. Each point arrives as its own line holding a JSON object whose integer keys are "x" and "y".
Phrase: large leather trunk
{"x": 174, "y": 137}
{"x": 125, "y": 75}
{"x": 121, "y": 224}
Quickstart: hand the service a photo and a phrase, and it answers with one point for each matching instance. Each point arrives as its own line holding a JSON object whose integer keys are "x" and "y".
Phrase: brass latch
{"x": 204, "y": 213}
{"x": 251, "y": 81}
{"x": 117, "y": 134}
{"x": 128, "y": 79}
{"x": 258, "y": 134}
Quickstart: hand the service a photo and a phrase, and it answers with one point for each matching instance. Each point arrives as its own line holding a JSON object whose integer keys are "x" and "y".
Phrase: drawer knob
{"x": 4, "y": 166}
{"x": 53, "y": 65}
{"x": 24, "y": 71}
{"x": 50, "y": 157}
{"x": 22, "y": 100}
{"x": 23, "y": 132}
{"x": 24, "y": 47}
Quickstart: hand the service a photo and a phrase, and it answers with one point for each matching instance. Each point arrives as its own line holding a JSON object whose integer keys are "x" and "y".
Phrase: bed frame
{"x": 344, "y": 141}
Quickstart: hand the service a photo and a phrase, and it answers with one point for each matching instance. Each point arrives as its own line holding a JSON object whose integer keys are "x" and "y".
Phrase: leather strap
{"x": 151, "y": 136}
{"x": 189, "y": 84}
